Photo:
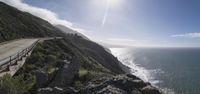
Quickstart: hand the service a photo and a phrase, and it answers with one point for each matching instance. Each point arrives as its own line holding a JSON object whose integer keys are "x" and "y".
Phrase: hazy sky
{"x": 131, "y": 22}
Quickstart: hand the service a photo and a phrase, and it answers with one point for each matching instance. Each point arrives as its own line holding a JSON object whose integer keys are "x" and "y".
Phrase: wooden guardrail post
{"x": 17, "y": 58}
{"x": 10, "y": 60}
{"x": 8, "y": 68}
{"x": 20, "y": 56}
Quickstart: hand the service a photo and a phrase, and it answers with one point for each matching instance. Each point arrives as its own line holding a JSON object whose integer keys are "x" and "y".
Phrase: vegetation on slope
{"x": 17, "y": 85}
{"x": 17, "y": 24}
{"x": 47, "y": 58}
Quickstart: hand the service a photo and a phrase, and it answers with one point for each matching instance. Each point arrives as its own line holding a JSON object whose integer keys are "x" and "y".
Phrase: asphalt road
{"x": 13, "y": 47}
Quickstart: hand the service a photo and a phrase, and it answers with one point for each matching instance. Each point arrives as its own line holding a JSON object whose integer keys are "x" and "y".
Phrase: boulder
{"x": 121, "y": 84}
{"x": 111, "y": 90}
{"x": 56, "y": 90}
{"x": 66, "y": 73}
{"x": 41, "y": 78}
{"x": 150, "y": 90}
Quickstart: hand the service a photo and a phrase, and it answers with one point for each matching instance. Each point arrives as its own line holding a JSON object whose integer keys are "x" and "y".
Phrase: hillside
{"x": 72, "y": 65}
{"x": 25, "y": 25}
{"x": 66, "y": 30}
{"x": 17, "y": 24}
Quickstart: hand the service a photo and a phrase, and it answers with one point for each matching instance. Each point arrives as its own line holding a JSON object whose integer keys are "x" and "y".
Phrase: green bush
{"x": 51, "y": 58}
{"x": 78, "y": 85}
{"x": 17, "y": 85}
{"x": 82, "y": 72}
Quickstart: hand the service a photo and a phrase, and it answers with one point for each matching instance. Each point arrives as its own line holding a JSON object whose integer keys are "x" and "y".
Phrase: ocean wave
{"x": 128, "y": 60}
{"x": 125, "y": 56}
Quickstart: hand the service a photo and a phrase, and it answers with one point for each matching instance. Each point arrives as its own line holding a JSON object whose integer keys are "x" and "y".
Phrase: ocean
{"x": 174, "y": 70}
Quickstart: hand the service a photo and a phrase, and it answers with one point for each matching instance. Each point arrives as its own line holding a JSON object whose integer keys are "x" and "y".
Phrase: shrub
{"x": 78, "y": 85}
{"x": 51, "y": 59}
{"x": 17, "y": 85}
{"x": 82, "y": 72}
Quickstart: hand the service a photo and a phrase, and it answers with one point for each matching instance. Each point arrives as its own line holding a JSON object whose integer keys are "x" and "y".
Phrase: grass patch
{"x": 83, "y": 72}
{"x": 78, "y": 85}
{"x": 16, "y": 85}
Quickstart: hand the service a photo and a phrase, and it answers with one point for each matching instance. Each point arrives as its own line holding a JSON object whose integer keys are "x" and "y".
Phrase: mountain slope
{"x": 66, "y": 30}
{"x": 17, "y": 24}
{"x": 71, "y": 65}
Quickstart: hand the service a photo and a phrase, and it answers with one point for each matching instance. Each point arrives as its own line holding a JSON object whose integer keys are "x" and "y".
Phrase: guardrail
{"x": 13, "y": 59}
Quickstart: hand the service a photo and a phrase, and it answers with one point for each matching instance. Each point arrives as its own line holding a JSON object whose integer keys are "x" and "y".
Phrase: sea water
{"x": 174, "y": 70}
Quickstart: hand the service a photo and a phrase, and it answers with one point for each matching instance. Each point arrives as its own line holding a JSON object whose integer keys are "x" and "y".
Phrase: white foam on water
{"x": 124, "y": 55}
{"x": 168, "y": 91}
{"x": 128, "y": 60}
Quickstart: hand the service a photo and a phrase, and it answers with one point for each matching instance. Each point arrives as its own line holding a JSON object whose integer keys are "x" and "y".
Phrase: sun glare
{"x": 115, "y": 3}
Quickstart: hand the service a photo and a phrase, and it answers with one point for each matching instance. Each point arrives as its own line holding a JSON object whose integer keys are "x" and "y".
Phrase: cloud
{"x": 188, "y": 35}
{"x": 125, "y": 42}
{"x": 42, "y": 13}
{"x": 121, "y": 40}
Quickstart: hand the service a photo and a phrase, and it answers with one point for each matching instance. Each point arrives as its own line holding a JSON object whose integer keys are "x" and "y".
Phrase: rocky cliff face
{"x": 72, "y": 65}
{"x": 120, "y": 84}
{"x": 62, "y": 68}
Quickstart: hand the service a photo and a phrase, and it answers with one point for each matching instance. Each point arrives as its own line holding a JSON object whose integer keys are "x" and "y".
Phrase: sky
{"x": 163, "y": 23}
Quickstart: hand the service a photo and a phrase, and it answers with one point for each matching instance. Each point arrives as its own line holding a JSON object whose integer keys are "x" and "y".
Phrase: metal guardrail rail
{"x": 13, "y": 59}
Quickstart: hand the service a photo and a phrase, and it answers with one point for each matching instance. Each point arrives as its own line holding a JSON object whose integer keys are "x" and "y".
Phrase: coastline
{"x": 137, "y": 70}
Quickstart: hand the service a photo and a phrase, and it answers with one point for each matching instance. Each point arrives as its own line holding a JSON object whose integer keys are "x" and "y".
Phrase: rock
{"x": 66, "y": 73}
{"x": 56, "y": 90}
{"x": 111, "y": 90}
{"x": 135, "y": 91}
{"x": 132, "y": 76}
{"x": 121, "y": 84}
{"x": 41, "y": 78}
{"x": 150, "y": 90}
{"x": 47, "y": 90}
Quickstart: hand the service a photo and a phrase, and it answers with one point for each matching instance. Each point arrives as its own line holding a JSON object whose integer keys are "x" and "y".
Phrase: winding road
{"x": 13, "y": 47}
{"x": 13, "y": 53}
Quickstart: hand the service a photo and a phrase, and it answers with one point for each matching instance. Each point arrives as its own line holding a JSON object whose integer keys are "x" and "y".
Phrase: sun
{"x": 114, "y": 3}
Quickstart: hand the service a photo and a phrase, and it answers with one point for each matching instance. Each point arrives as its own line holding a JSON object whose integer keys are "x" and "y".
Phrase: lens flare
{"x": 110, "y": 4}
